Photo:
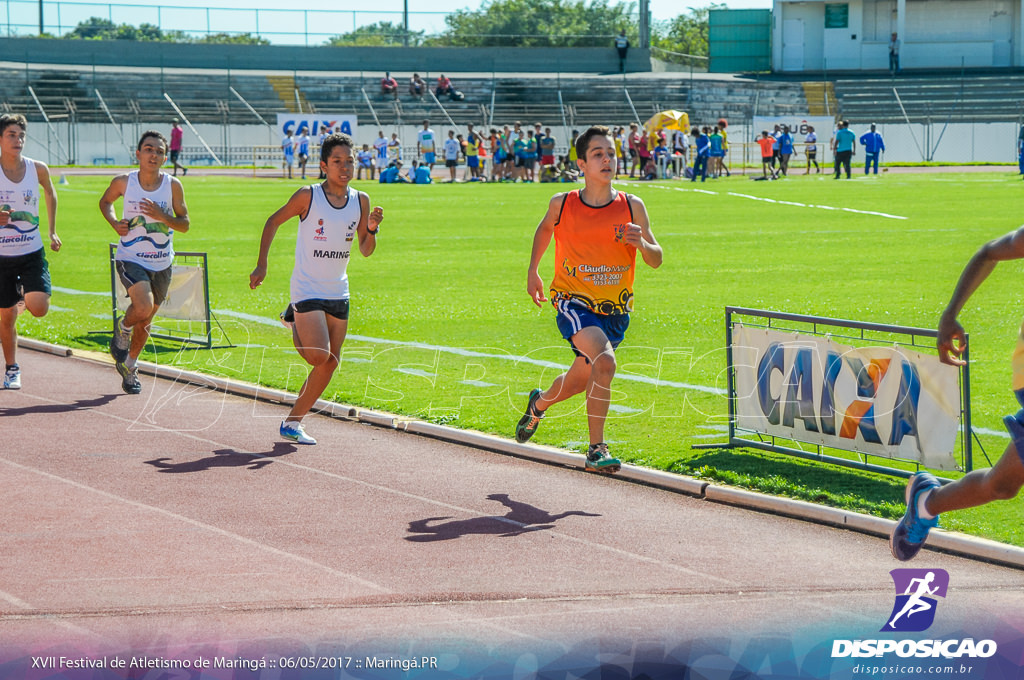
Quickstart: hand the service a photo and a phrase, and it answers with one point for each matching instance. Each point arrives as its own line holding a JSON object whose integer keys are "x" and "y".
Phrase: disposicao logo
{"x": 913, "y": 612}
{"x": 916, "y": 592}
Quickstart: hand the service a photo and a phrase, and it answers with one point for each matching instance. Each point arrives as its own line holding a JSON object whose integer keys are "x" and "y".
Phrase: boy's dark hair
{"x": 152, "y": 133}
{"x": 583, "y": 141}
{"x": 333, "y": 140}
{"x": 9, "y": 119}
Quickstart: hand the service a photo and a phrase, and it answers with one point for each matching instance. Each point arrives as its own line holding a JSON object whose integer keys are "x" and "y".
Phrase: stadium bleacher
{"x": 206, "y": 97}
{"x": 977, "y": 97}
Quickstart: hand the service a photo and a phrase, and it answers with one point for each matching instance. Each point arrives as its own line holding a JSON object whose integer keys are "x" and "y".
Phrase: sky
{"x": 322, "y": 18}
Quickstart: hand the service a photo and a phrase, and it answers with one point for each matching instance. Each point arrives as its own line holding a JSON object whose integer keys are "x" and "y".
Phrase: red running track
{"x": 177, "y": 520}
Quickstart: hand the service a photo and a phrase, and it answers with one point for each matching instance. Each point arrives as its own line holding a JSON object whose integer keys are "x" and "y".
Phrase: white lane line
{"x": 773, "y": 200}
{"x": 377, "y": 487}
{"x": 995, "y": 433}
{"x": 415, "y": 371}
{"x": 72, "y": 291}
{"x": 483, "y": 355}
{"x": 452, "y": 350}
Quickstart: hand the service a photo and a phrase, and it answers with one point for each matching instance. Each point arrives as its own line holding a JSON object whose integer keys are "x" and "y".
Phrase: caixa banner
{"x": 315, "y": 122}
{"x": 886, "y": 401}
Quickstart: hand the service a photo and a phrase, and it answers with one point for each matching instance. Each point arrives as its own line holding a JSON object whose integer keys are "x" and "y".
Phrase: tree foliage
{"x": 230, "y": 39}
{"x": 98, "y": 28}
{"x": 686, "y": 33}
{"x": 539, "y": 23}
{"x": 380, "y": 34}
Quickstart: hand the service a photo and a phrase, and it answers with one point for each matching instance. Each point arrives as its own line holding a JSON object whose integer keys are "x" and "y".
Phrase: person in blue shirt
{"x": 1020, "y": 150}
{"x": 700, "y": 160}
{"x": 786, "y": 149}
{"x": 844, "y": 146}
{"x": 873, "y": 146}
{"x": 390, "y": 175}
{"x": 661, "y": 158}
{"x": 420, "y": 173}
{"x": 303, "y": 145}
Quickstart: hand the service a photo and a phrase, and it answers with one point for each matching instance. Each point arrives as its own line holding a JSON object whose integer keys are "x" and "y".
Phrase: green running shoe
{"x": 599, "y": 460}
{"x": 528, "y": 424}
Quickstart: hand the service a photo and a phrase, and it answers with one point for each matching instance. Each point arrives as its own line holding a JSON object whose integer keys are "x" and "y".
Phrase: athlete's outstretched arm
{"x": 114, "y": 191}
{"x": 369, "y": 225}
{"x": 639, "y": 234}
{"x": 951, "y": 339}
{"x": 541, "y": 241}
{"x": 296, "y": 206}
{"x": 50, "y": 196}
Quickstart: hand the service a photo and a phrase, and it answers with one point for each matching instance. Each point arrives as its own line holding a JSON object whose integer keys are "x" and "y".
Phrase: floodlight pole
{"x": 40, "y": 18}
{"x": 645, "y": 24}
{"x": 405, "y": 23}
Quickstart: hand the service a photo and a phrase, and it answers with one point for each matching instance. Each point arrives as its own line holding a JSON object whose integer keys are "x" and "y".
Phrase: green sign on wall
{"x": 837, "y": 15}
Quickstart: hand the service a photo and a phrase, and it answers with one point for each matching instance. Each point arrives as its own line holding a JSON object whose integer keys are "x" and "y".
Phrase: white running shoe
{"x": 295, "y": 432}
{"x": 12, "y": 377}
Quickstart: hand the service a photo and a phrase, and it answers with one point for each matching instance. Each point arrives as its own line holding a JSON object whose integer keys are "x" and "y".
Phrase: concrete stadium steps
{"x": 987, "y": 98}
{"x": 740, "y": 99}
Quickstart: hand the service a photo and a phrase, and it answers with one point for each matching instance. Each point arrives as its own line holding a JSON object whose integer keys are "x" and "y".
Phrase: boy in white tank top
{"x": 24, "y": 273}
{"x": 331, "y": 216}
{"x": 154, "y": 208}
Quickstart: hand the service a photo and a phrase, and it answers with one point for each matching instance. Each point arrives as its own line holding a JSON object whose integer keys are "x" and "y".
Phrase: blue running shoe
{"x": 295, "y": 432}
{"x": 908, "y": 537}
{"x": 530, "y": 421}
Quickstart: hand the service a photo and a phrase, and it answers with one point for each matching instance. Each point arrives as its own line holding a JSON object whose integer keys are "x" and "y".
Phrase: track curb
{"x": 946, "y": 541}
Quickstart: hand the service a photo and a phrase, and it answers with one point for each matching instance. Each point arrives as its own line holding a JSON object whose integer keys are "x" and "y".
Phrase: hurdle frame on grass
{"x": 203, "y": 339}
{"x": 856, "y": 331}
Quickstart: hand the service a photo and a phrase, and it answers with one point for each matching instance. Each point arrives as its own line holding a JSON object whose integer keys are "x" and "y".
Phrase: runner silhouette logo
{"x": 916, "y": 592}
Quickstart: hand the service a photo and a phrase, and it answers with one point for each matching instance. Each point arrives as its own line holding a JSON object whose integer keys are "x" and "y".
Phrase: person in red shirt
{"x": 444, "y": 86}
{"x": 767, "y": 155}
{"x": 389, "y": 86}
{"x": 175, "y": 147}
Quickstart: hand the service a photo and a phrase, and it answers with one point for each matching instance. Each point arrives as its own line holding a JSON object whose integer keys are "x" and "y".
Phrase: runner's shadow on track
{"x": 225, "y": 458}
{"x": 521, "y": 518}
{"x": 77, "y": 405}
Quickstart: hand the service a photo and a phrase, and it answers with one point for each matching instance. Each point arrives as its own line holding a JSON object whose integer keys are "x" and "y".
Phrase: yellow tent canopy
{"x": 666, "y": 120}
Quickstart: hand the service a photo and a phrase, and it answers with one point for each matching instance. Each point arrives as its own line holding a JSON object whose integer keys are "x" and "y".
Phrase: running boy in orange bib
{"x": 598, "y": 232}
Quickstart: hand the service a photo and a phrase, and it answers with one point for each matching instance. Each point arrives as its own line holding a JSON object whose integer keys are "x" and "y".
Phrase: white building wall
{"x": 933, "y": 34}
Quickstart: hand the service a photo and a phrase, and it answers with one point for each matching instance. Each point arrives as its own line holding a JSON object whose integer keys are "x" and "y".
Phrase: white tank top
{"x": 21, "y": 235}
{"x": 147, "y": 244}
{"x": 323, "y": 246}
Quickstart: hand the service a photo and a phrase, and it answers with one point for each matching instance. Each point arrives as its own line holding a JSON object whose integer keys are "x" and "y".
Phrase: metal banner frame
{"x": 204, "y": 339}
{"x": 849, "y": 330}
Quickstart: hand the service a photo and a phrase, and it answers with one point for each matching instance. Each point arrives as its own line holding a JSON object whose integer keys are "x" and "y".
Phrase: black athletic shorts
{"x": 131, "y": 273}
{"x": 20, "y": 274}
{"x": 336, "y": 308}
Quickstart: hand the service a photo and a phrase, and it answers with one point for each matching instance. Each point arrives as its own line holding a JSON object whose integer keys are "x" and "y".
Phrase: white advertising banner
{"x": 186, "y": 295}
{"x": 822, "y": 125}
{"x": 314, "y": 122}
{"x": 882, "y": 400}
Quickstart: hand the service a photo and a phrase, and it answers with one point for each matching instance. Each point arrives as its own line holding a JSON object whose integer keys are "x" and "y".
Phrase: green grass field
{"x": 450, "y": 272}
